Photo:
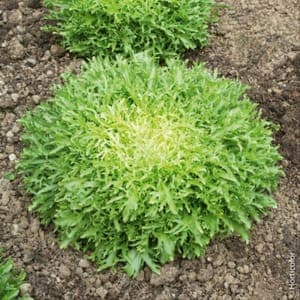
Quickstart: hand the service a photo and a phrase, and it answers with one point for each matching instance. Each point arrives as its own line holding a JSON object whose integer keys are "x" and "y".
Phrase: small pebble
{"x": 64, "y": 271}
{"x": 36, "y": 99}
{"x": 83, "y": 263}
{"x": 101, "y": 292}
{"x": 57, "y": 51}
{"x": 260, "y": 248}
{"x": 25, "y": 289}
{"x": 12, "y": 157}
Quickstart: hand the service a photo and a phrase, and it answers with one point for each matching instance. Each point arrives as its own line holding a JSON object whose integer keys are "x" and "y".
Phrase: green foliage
{"x": 135, "y": 162}
{"x": 10, "y": 280}
{"x": 9, "y": 176}
{"x": 107, "y": 27}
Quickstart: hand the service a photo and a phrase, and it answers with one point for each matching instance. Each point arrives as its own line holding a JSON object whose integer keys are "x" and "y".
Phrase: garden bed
{"x": 256, "y": 42}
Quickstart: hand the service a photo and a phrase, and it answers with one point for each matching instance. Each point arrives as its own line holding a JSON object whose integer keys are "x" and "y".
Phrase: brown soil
{"x": 256, "y": 42}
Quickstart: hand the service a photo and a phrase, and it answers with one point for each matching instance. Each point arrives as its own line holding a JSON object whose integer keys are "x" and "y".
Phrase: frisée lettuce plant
{"x": 136, "y": 163}
{"x": 10, "y": 280}
{"x": 107, "y": 27}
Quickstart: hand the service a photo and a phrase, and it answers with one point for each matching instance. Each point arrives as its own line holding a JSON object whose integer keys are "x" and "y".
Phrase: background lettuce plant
{"x": 107, "y": 27}
{"x": 135, "y": 162}
{"x": 10, "y": 280}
